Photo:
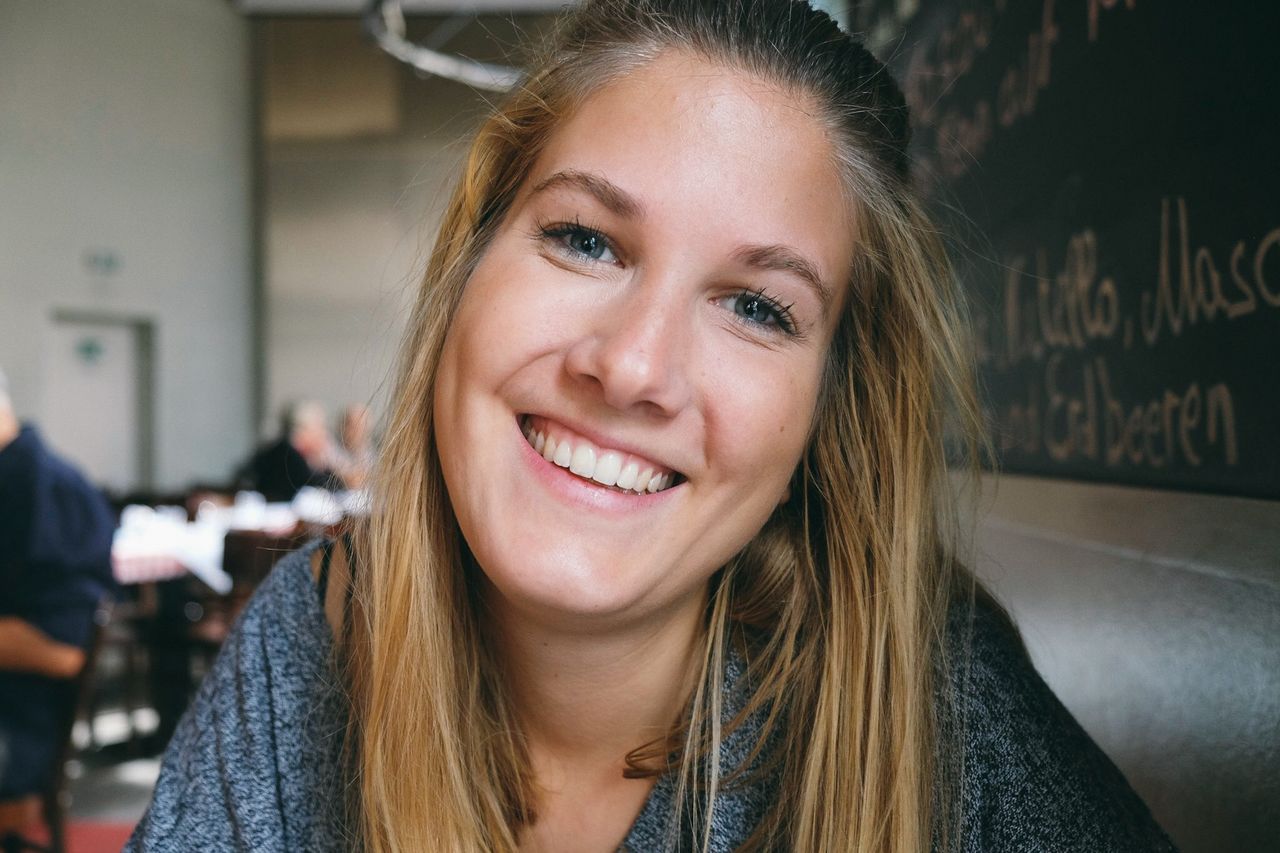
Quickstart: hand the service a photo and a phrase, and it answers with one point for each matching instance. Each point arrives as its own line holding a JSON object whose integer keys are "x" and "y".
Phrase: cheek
{"x": 482, "y": 331}
{"x": 508, "y": 311}
{"x": 466, "y": 368}
{"x": 763, "y": 428}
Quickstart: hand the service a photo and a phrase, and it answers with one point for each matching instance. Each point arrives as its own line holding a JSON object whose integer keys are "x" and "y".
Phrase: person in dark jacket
{"x": 303, "y": 455}
{"x": 55, "y": 566}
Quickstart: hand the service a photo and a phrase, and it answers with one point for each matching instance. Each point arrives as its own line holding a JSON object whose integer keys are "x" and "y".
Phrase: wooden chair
{"x": 191, "y": 622}
{"x": 16, "y": 816}
{"x": 248, "y": 557}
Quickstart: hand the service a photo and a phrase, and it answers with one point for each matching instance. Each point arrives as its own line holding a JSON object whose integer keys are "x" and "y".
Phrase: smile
{"x": 620, "y": 471}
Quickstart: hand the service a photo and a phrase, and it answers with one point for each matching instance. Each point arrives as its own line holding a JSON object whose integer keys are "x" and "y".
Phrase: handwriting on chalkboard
{"x": 1079, "y": 417}
{"x": 1075, "y": 306}
{"x": 935, "y": 66}
{"x": 1066, "y": 310}
{"x": 1064, "y": 318}
{"x": 1201, "y": 295}
{"x": 1022, "y": 82}
{"x": 1126, "y": 284}
{"x": 962, "y": 132}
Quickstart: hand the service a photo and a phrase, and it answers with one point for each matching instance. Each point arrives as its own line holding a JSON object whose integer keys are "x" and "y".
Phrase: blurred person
{"x": 356, "y": 453}
{"x": 304, "y": 454}
{"x": 55, "y": 567}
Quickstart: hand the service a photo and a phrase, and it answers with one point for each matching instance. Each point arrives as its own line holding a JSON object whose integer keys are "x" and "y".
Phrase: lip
{"x": 583, "y": 494}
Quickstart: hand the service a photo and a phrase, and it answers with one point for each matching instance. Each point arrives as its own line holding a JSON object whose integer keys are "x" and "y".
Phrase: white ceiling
{"x": 422, "y": 7}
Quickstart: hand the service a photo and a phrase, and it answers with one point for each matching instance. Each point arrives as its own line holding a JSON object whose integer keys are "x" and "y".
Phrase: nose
{"x": 636, "y": 352}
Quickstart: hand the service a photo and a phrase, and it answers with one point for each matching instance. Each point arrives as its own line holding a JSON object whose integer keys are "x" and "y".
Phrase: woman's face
{"x": 657, "y": 307}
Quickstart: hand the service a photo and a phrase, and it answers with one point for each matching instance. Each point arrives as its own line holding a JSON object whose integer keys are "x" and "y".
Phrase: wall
{"x": 125, "y": 132}
{"x": 359, "y": 156}
{"x": 346, "y": 238}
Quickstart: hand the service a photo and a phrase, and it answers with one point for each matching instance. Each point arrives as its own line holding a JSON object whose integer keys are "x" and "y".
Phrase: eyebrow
{"x": 614, "y": 198}
{"x": 771, "y": 258}
{"x": 777, "y": 258}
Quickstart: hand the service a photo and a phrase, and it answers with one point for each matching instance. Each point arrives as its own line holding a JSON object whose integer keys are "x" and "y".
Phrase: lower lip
{"x": 585, "y": 493}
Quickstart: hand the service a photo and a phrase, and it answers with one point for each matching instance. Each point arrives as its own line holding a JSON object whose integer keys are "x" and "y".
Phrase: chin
{"x": 562, "y": 586}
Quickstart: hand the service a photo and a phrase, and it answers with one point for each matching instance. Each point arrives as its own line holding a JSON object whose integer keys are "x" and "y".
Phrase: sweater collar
{"x": 737, "y": 808}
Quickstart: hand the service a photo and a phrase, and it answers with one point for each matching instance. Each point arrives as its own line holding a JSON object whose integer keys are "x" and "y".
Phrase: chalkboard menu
{"x": 1110, "y": 173}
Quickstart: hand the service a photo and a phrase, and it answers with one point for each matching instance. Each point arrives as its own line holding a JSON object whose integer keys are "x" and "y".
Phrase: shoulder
{"x": 285, "y": 609}
{"x": 273, "y": 452}
{"x": 69, "y": 531}
{"x": 18, "y": 456}
{"x": 281, "y": 645}
{"x": 61, "y": 489}
{"x": 256, "y": 759}
{"x": 1032, "y": 778}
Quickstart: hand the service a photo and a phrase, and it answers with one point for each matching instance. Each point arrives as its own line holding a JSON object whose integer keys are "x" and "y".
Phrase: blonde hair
{"x": 842, "y": 598}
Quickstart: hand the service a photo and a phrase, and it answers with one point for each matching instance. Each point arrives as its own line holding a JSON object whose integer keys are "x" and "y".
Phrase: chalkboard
{"x": 1110, "y": 170}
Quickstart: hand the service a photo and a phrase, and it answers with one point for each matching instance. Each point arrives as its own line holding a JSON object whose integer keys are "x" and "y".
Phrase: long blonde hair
{"x": 842, "y": 598}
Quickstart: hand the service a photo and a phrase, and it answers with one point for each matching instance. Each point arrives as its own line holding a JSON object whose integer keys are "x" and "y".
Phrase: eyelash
{"x": 783, "y": 317}
{"x": 559, "y": 232}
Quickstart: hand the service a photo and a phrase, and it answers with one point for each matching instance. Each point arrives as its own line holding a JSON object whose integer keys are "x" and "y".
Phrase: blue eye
{"x": 587, "y": 243}
{"x": 581, "y": 242}
{"x": 756, "y": 308}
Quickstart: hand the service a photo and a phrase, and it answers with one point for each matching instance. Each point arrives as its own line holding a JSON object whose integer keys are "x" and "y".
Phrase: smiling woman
{"x": 662, "y": 550}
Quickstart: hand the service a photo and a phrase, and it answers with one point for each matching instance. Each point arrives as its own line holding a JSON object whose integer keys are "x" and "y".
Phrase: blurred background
{"x": 213, "y": 215}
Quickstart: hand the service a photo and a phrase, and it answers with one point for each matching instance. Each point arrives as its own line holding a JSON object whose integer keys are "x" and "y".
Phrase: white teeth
{"x": 564, "y": 455}
{"x": 604, "y": 467}
{"x": 583, "y": 461}
{"x": 607, "y": 468}
{"x": 627, "y": 478}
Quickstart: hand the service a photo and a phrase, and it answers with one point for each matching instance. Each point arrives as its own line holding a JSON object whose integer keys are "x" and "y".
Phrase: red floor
{"x": 86, "y": 836}
{"x": 91, "y": 837}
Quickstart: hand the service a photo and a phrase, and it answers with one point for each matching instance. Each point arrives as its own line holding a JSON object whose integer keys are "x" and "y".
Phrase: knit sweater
{"x": 255, "y": 764}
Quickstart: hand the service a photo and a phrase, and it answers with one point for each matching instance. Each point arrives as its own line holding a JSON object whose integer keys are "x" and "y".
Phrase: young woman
{"x": 660, "y": 555}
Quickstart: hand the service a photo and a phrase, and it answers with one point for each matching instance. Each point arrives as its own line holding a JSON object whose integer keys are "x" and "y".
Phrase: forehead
{"x": 703, "y": 146}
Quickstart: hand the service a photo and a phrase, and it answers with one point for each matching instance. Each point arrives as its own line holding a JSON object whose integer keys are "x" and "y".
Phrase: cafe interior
{"x": 213, "y": 218}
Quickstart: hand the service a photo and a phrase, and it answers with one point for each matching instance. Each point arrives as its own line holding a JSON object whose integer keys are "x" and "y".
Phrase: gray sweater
{"x": 255, "y": 764}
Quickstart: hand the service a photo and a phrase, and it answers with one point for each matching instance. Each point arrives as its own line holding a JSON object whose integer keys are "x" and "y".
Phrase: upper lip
{"x": 606, "y": 442}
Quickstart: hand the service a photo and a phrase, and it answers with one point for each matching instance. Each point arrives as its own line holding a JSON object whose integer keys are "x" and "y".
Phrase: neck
{"x": 587, "y": 698}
